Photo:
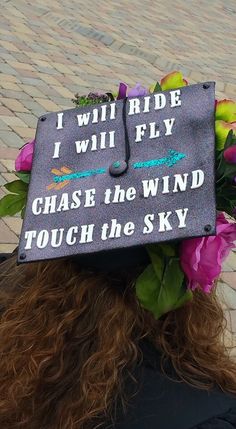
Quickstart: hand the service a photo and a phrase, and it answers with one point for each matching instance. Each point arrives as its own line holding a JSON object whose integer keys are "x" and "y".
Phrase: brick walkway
{"x": 48, "y": 52}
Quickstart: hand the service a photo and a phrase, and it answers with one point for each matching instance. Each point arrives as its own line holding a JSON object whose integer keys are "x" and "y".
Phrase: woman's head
{"x": 71, "y": 338}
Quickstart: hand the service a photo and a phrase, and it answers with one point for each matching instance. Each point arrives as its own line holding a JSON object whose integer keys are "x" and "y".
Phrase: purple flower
{"x": 137, "y": 91}
{"x": 122, "y": 91}
{"x": 24, "y": 159}
{"x": 201, "y": 258}
{"x": 230, "y": 155}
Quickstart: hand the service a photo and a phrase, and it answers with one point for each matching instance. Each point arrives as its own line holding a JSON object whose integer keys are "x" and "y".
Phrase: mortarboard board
{"x": 122, "y": 174}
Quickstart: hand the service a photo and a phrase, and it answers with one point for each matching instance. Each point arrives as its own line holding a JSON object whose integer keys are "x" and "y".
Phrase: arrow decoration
{"x": 63, "y": 176}
{"x": 170, "y": 160}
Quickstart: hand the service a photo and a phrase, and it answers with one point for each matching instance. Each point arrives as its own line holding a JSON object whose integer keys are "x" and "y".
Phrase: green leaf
{"x": 24, "y": 176}
{"x": 157, "y": 87}
{"x": 161, "y": 287}
{"x": 12, "y": 204}
{"x": 158, "y": 262}
{"x": 167, "y": 249}
{"x": 175, "y": 293}
{"x": 22, "y": 215}
{"x": 147, "y": 290}
{"x": 17, "y": 187}
{"x": 230, "y": 139}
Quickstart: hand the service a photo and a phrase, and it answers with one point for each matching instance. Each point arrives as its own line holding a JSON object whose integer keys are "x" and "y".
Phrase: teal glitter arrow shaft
{"x": 169, "y": 160}
{"x": 79, "y": 175}
{"x": 173, "y": 158}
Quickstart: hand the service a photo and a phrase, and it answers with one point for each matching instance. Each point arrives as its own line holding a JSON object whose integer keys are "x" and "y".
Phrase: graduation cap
{"x": 117, "y": 176}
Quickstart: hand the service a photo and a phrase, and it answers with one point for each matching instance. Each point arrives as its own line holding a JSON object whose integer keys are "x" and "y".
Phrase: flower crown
{"x": 176, "y": 269}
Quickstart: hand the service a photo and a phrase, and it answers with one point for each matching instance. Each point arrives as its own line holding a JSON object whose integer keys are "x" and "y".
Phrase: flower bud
{"x": 173, "y": 80}
{"x": 24, "y": 159}
{"x": 230, "y": 155}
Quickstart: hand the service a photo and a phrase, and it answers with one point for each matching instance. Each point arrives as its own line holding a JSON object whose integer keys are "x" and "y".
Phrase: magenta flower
{"x": 230, "y": 155}
{"x": 24, "y": 159}
{"x": 201, "y": 258}
{"x": 137, "y": 91}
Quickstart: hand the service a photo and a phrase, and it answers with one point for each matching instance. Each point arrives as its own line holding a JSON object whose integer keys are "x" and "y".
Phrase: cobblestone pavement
{"x": 50, "y": 51}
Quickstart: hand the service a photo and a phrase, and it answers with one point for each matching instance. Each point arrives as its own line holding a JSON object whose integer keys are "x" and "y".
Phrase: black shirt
{"x": 164, "y": 403}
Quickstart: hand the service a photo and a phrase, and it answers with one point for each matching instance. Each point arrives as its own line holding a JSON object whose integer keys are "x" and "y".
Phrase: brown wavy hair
{"x": 70, "y": 340}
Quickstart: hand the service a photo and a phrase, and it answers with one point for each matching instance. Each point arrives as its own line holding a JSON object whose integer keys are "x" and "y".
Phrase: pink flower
{"x": 230, "y": 155}
{"x": 24, "y": 159}
{"x": 201, "y": 258}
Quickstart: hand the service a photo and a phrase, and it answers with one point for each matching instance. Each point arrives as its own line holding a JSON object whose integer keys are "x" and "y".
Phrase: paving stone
{"x": 24, "y": 132}
{"x": 7, "y": 236}
{"x": 9, "y": 177}
{"x": 14, "y": 105}
{"x": 31, "y": 81}
{"x": 3, "y": 167}
{"x": 7, "y": 248}
{"x": 226, "y": 267}
{"x": 11, "y": 139}
{"x": 19, "y": 65}
{"x": 7, "y": 56}
{"x": 18, "y": 95}
{"x": 230, "y": 341}
{"x": 49, "y": 79}
{"x": 228, "y": 295}
{"x": 60, "y": 101}
{"x": 13, "y": 121}
{"x": 4, "y": 111}
{"x": 28, "y": 118}
{"x": 5, "y": 68}
{"x": 3, "y": 191}
{"x": 231, "y": 320}
{"x": 47, "y": 104}
{"x": 14, "y": 224}
{"x": 8, "y": 152}
{"x": 47, "y": 70}
{"x": 230, "y": 263}
{"x": 63, "y": 91}
{"x": 31, "y": 90}
{"x": 4, "y": 126}
{"x": 8, "y": 165}
{"x": 230, "y": 278}
{"x": 2, "y": 180}
{"x": 10, "y": 85}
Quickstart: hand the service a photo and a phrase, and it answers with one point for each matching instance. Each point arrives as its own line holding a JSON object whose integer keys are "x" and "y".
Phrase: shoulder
{"x": 226, "y": 420}
{"x": 179, "y": 405}
{"x": 169, "y": 404}
{"x": 172, "y": 404}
